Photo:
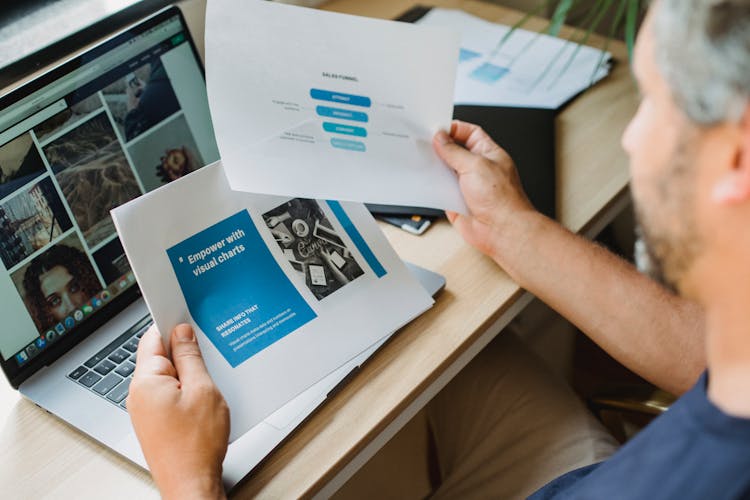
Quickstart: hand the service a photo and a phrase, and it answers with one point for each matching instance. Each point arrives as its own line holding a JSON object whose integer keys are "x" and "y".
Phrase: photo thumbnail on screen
{"x": 20, "y": 163}
{"x": 166, "y": 154}
{"x": 30, "y": 220}
{"x": 312, "y": 246}
{"x": 141, "y": 99}
{"x": 57, "y": 284}
{"x": 67, "y": 117}
{"x": 93, "y": 174}
{"x": 111, "y": 261}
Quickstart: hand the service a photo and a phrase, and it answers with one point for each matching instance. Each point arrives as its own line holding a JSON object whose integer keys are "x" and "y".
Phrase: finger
{"x": 461, "y": 131}
{"x": 461, "y": 224}
{"x": 151, "y": 355}
{"x": 451, "y": 216}
{"x": 476, "y": 140}
{"x": 455, "y": 156}
{"x": 187, "y": 358}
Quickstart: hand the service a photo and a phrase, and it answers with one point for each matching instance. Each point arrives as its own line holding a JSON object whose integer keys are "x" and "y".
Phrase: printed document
{"x": 281, "y": 291}
{"x": 325, "y": 105}
{"x": 518, "y": 69}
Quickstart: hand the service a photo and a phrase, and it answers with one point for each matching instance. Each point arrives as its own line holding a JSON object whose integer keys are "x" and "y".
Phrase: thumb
{"x": 152, "y": 357}
{"x": 187, "y": 358}
{"x": 459, "y": 222}
{"x": 455, "y": 156}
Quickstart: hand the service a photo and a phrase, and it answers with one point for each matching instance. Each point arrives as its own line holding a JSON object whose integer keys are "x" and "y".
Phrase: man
{"x": 689, "y": 146}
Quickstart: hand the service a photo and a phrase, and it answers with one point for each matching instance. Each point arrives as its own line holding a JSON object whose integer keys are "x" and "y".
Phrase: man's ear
{"x": 734, "y": 185}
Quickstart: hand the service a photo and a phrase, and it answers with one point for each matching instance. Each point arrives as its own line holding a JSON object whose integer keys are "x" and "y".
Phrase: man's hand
{"x": 179, "y": 416}
{"x": 488, "y": 180}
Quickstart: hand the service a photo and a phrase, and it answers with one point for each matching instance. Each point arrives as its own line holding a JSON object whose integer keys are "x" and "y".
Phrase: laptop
{"x": 126, "y": 117}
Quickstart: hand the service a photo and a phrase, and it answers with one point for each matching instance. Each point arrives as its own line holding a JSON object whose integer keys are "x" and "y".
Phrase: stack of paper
{"x": 526, "y": 69}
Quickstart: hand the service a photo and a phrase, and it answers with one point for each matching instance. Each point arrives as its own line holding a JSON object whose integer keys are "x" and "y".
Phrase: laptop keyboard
{"x": 108, "y": 372}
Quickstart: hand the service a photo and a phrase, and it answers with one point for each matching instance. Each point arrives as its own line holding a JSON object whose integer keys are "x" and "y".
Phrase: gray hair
{"x": 703, "y": 51}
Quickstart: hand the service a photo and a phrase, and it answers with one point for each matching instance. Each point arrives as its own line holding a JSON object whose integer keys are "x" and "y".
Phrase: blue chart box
{"x": 340, "y": 97}
{"x": 338, "y": 128}
{"x": 342, "y": 114}
{"x": 347, "y": 144}
{"x": 235, "y": 290}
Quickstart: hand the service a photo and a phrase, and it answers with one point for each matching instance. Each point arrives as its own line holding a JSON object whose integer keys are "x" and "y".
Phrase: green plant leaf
{"x": 558, "y": 18}
{"x": 631, "y": 20}
{"x": 535, "y": 11}
{"x": 600, "y": 10}
{"x": 612, "y": 29}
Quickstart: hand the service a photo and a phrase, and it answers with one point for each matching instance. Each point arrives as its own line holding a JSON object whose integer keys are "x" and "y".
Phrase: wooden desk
{"x": 43, "y": 456}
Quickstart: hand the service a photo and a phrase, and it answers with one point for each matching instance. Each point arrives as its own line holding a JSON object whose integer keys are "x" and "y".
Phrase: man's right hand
{"x": 489, "y": 183}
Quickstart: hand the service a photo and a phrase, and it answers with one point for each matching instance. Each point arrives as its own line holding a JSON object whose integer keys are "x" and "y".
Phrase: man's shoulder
{"x": 690, "y": 451}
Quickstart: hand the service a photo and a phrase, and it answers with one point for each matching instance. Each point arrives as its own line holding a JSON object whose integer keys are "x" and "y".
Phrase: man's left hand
{"x": 179, "y": 416}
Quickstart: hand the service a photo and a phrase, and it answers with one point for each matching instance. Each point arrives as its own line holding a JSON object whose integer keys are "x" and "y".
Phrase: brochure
{"x": 500, "y": 65}
{"x": 326, "y": 105}
{"x": 280, "y": 291}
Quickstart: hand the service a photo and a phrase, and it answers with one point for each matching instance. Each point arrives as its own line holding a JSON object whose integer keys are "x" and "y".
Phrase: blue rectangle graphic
{"x": 235, "y": 290}
{"x": 489, "y": 73}
{"x": 340, "y": 128}
{"x": 467, "y": 55}
{"x": 340, "y": 97}
{"x": 357, "y": 238}
{"x": 348, "y": 145}
{"x": 342, "y": 114}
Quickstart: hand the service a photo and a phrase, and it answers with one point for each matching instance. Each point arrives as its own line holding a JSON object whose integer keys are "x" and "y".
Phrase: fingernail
{"x": 454, "y": 126}
{"x": 184, "y": 334}
{"x": 443, "y": 138}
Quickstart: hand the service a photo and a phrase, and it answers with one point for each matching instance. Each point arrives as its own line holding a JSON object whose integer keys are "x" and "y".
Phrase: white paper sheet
{"x": 331, "y": 106}
{"x": 269, "y": 323}
{"x": 527, "y": 70}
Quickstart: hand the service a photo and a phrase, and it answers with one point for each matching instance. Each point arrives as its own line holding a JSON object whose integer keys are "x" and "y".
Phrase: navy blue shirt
{"x": 694, "y": 450}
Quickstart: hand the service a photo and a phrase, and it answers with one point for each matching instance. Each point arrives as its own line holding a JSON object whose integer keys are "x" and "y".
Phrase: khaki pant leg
{"x": 506, "y": 426}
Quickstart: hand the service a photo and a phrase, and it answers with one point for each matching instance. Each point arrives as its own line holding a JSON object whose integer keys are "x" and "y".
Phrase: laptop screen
{"x": 121, "y": 120}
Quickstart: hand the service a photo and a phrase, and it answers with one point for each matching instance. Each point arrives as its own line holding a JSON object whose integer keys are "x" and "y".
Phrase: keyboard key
{"x": 124, "y": 403}
{"x": 131, "y": 345}
{"x": 119, "y": 356}
{"x": 100, "y": 356}
{"x": 125, "y": 370}
{"x": 89, "y": 379}
{"x": 120, "y": 392}
{"x": 140, "y": 334}
{"x": 104, "y": 367}
{"x": 106, "y": 385}
{"x": 132, "y": 358}
{"x": 76, "y": 374}
{"x": 109, "y": 349}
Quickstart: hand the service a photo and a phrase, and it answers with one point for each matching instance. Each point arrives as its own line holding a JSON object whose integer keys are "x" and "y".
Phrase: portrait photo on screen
{"x": 141, "y": 99}
{"x": 20, "y": 163}
{"x": 312, "y": 246}
{"x": 57, "y": 283}
{"x": 30, "y": 220}
{"x": 93, "y": 174}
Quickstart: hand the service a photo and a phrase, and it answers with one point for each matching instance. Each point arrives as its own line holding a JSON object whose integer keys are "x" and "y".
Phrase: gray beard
{"x": 647, "y": 263}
